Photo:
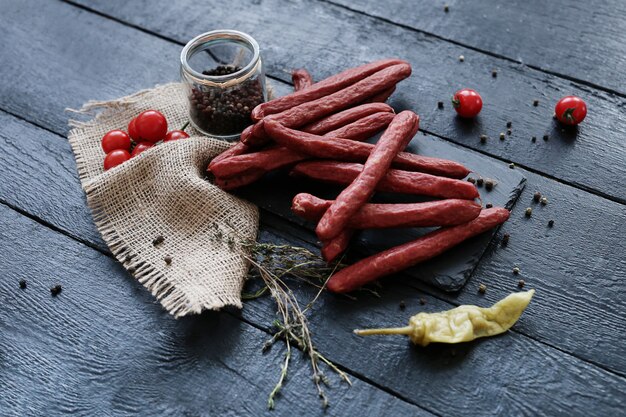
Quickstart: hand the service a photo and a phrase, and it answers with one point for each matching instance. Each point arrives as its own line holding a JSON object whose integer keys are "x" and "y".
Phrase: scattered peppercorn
{"x": 482, "y": 288}
{"x": 422, "y": 301}
{"x": 446, "y": 8}
{"x": 546, "y": 137}
{"x": 521, "y": 283}
{"x": 488, "y": 205}
{"x": 480, "y": 182}
{"x": 509, "y": 132}
{"x": 505, "y": 239}
{"x": 168, "y": 260}
{"x": 529, "y": 212}
{"x": 56, "y": 290}
{"x": 516, "y": 271}
{"x": 489, "y": 185}
{"x": 551, "y": 223}
{"x": 402, "y": 305}
{"x": 511, "y": 165}
{"x": 461, "y": 58}
{"x": 128, "y": 258}
{"x": 494, "y": 73}
{"x": 536, "y": 103}
{"x": 501, "y": 136}
{"x": 533, "y": 139}
{"x": 158, "y": 240}
{"x": 544, "y": 201}
{"x": 483, "y": 138}
{"x": 440, "y": 104}
{"x": 537, "y": 196}
{"x": 509, "y": 124}
{"x": 472, "y": 180}
{"x": 23, "y": 284}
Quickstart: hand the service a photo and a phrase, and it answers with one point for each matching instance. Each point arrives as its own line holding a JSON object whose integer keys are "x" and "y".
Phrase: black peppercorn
{"x": 483, "y": 138}
{"x": 551, "y": 223}
{"x": 440, "y": 104}
{"x": 544, "y": 201}
{"x": 446, "y": 8}
{"x": 472, "y": 180}
{"x": 505, "y": 239}
{"x": 422, "y": 301}
{"x": 546, "y": 137}
{"x": 521, "y": 283}
{"x": 482, "y": 288}
{"x": 488, "y": 205}
{"x": 402, "y": 305}
{"x": 533, "y": 139}
{"x": 461, "y": 58}
{"x": 537, "y": 196}
{"x": 23, "y": 284}
{"x": 489, "y": 185}
{"x": 536, "y": 103}
{"x": 511, "y": 165}
{"x": 509, "y": 132}
{"x": 480, "y": 182}
{"x": 168, "y": 260}
{"x": 516, "y": 271}
{"x": 509, "y": 124}
{"x": 528, "y": 212}
{"x": 56, "y": 290}
{"x": 494, "y": 73}
{"x": 158, "y": 240}
{"x": 502, "y": 136}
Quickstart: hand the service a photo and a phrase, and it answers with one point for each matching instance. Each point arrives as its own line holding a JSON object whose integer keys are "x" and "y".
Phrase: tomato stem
{"x": 568, "y": 115}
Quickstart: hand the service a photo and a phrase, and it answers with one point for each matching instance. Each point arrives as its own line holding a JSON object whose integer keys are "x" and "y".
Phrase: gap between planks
{"x": 272, "y": 225}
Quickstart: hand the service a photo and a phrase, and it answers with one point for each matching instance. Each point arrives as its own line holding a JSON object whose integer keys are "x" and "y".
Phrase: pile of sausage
{"x": 318, "y": 132}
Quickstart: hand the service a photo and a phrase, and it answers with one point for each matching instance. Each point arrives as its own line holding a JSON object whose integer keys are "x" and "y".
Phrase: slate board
{"x": 448, "y": 272}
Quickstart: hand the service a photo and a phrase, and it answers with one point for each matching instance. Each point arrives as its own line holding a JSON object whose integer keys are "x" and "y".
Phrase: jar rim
{"x": 188, "y": 50}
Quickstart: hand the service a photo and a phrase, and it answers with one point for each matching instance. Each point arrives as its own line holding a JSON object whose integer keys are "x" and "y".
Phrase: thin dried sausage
{"x": 334, "y": 247}
{"x": 397, "y": 136}
{"x": 322, "y": 88}
{"x": 409, "y": 254}
{"x": 396, "y": 181}
{"x": 301, "y": 79}
{"x": 349, "y": 150}
{"x": 343, "y": 118}
{"x": 379, "y": 216}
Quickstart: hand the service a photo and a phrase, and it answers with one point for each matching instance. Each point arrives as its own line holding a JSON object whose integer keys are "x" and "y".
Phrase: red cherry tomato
{"x": 467, "y": 103}
{"x": 570, "y": 110}
{"x": 151, "y": 125}
{"x": 175, "y": 135}
{"x": 132, "y": 130}
{"x": 115, "y": 139}
{"x": 140, "y": 147}
{"x": 114, "y": 158}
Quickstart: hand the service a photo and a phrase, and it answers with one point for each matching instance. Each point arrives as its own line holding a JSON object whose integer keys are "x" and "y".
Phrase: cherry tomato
{"x": 115, "y": 157}
{"x": 132, "y": 130}
{"x": 175, "y": 135}
{"x": 140, "y": 147}
{"x": 115, "y": 139}
{"x": 467, "y": 103}
{"x": 151, "y": 125}
{"x": 570, "y": 110}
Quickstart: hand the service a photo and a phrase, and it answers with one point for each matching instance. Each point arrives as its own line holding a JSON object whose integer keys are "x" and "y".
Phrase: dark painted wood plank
{"x": 506, "y": 375}
{"x": 449, "y": 273}
{"x": 105, "y": 347}
{"x": 582, "y": 40}
{"x": 594, "y": 265}
{"x": 325, "y": 38}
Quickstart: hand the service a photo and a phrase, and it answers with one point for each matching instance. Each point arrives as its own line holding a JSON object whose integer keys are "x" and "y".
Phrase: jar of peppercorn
{"x": 225, "y": 80}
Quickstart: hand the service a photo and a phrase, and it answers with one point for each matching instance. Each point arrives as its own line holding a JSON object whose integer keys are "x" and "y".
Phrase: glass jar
{"x": 225, "y": 80}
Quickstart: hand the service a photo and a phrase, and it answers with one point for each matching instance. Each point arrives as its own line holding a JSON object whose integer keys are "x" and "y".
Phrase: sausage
{"x": 271, "y": 159}
{"x": 364, "y": 128}
{"x": 409, "y": 254}
{"x": 397, "y": 136}
{"x": 381, "y": 97}
{"x": 235, "y": 150}
{"x": 337, "y": 120}
{"x": 331, "y": 249}
{"x": 230, "y": 183}
{"x": 323, "y": 88}
{"x": 348, "y": 150}
{"x": 380, "y": 216}
{"x": 301, "y": 79}
{"x": 396, "y": 181}
{"x": 342, "y": 99}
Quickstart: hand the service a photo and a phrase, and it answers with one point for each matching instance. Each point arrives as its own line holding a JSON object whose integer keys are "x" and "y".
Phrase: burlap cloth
{"x": 163, "y": 192}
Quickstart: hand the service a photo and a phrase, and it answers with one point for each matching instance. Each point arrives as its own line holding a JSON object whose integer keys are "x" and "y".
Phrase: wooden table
{"x": 105, "y": 347}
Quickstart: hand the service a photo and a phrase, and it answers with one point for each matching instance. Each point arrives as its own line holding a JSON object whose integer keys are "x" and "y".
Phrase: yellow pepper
{"x": 461, "y": 324}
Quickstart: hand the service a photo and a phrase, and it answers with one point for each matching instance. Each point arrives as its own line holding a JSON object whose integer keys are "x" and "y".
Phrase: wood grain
{"x": 582, "y": 40}
{"x": 103, "y": 346}
{"x": 325, "y": 38}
